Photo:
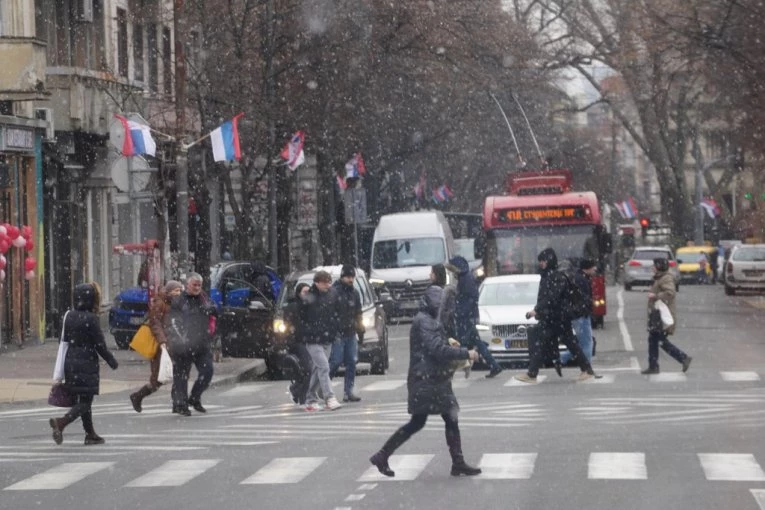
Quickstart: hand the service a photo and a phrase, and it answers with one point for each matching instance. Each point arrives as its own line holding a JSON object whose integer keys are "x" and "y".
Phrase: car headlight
{"x": 280, "y": 326}
{"x": 483, "y": 327}
{"x": 479, "y": 272}
{"x": 376, "y": 281}
{"x": 368, "y": 321}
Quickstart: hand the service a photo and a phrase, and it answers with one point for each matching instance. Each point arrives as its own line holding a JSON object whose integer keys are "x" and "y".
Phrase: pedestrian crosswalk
{"x": 715, "y": 467}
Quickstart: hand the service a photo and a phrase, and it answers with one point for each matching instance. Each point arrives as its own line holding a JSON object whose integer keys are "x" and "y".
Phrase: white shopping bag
{"x": 63, "y": 347}
{"x": 165, "y": 367}
{"x": 666, "y": 315}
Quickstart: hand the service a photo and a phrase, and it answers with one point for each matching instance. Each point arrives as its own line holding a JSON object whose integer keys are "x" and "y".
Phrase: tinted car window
{"x": 749, "y": 255}
{"x": 409, "y": 252}
{"x": 651, "y": 254}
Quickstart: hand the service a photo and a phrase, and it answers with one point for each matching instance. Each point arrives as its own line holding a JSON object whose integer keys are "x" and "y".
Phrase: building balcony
{"x": 23, "y": 75}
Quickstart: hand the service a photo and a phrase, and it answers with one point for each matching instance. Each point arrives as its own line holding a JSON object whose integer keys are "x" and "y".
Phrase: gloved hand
{"x": 113, "y": 364}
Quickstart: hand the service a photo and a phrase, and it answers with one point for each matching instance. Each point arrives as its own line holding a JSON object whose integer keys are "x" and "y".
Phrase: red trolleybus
{"x": 540, "y": 211}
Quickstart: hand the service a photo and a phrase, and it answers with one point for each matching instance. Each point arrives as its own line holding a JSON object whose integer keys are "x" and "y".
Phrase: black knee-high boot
{"x": 380, "y": 459}
{"x": 454, "y": 441}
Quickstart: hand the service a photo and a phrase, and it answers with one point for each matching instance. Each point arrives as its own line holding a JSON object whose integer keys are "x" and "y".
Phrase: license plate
{"x": 753, "y": 272}
{"x": 136, "y": 321}
{"x": 516, "y": 344}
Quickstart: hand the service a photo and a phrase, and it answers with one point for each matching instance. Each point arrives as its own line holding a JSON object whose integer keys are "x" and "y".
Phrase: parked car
{"x": 245, "y": 315}
{"x": 638, "y": 269}
{"x": 688, "y": 263}
{"x": 745, "y": 269}
{"x": 373, "y": 349}
{"x": 502, "y": 304}
{"x": 128, "y": 311}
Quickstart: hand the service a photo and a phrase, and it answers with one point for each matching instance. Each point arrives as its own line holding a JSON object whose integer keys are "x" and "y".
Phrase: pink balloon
{"x": 19, "y": 242}
{"x": 26, "y": 231}
{"x": 4, "y": 245}
{"x": 29, "y": 275}
{"x": 30, "y": 264}
{"x": 3, "y": 262}
{"x": 30, "y": 245}
{"x": 13, "y": 232}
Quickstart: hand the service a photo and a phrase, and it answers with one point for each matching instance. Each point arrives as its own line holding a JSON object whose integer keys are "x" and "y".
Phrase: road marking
{"x": 604, "y": 379}
{"x": 355, "y": 497}
{"x": 759, "y": 497}
{"x": 385, "y": 385}
{"x": 617, "y": 466}
{"x": 285, "y": 470}
{"x": 623, "y": 325}
{"x": 367, "y": 486}
{"x": 245, "y": 389}
{"x": 731, "y": 467}
{"x": 739, "y": 376}
{"x": 174, "y": 473}
{"x": 60, "y": 477}
{"x": 407, "y": 468}
{"x": 667, "y": 377}
{"x": 507, "y": 466}
{"x": 515, "y": 382}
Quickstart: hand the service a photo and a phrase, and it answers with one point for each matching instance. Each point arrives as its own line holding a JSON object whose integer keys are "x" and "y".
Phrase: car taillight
{"x": 672, "y": 263}
{"x": 634, "y": 263}
{"x": 730, "y": 267}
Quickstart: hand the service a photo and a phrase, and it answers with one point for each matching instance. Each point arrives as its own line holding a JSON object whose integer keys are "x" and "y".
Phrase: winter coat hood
{"x": 431, "y": 300}
{"x": 548, "y": 254}
{"x": 85, "y": 297}
{"x": 459, "y": 265}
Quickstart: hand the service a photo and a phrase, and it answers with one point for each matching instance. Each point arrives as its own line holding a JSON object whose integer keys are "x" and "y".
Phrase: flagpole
{"x": 192, "y": 144}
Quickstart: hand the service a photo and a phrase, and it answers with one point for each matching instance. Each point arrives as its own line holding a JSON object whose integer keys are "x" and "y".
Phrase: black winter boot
{"x": 137, "y": 398}
{"x": 459, "y": 466}
{"x": 380, "y": 459}
{"x": 58, "y": 424}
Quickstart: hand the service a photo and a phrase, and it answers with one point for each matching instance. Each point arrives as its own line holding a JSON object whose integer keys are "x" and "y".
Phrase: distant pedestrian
{"x": 262, "y": 283}
{"x": 345, "y": 349}
{"x": 296, "y": 344}
{"x": 429, "y": 386}
{"x": 466, "y": 313}
{"x": 318, "y": 316}
{"x": 664, "y": 290}
{"x": 583, "y": 325}
{"x": 159, "y": 322}
{"x": 189, "y": 342}
{"x": 703, "y": 262}
{"x": 714, "y": 258}
{"x": 553, "y": 326}
{"x": 82, "y": 331}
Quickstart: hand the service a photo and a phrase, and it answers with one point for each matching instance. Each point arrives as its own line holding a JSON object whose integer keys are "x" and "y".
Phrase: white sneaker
{"x": 312, "y": 407}
{"x": 333, "y": 404}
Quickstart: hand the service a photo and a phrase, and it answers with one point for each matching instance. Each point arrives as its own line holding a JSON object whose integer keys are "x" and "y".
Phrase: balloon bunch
{"x": 11, "y": 235}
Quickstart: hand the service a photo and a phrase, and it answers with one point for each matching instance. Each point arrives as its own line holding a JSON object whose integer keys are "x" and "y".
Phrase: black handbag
{"x": 654, "y": 322}
{"x": 60, "y": 396}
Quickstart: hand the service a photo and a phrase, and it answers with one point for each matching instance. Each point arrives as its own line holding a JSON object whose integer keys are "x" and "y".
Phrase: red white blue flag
{"x": 711, "y": 207}
{"x": 225, "y": 141}
{"x": 627, "y": 208}
{"x": 355, "y": 167}
{"x": 138, "y": 138}
{"x": 341, "y": 183}
{"x": 419, "y": 189}
{"x": 442, "y": 194}
{"x": 292, "y": 152}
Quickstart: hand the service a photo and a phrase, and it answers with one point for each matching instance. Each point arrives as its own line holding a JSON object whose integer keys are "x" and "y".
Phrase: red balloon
{"x": 3, "y": 262}
{"x": 13, "y": 232}
{"x": 30, "y": 245}
{"x": 30, "y": 264}
{"x": 4, "y": 245}
{"x": 26, "y": 232}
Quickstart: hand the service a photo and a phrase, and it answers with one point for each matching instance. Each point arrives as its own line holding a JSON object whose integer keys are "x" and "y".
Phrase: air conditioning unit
{"x": 46, "y": 114}
{"x": 84, "y": 10}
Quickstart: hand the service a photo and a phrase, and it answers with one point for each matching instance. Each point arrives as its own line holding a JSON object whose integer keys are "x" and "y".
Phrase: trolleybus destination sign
{"x": 549, "y": 213}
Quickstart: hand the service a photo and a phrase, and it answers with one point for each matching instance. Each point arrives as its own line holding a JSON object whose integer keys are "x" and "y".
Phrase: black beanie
{"x": 661, "y": 264}
{"x": 347, "y": 270}
{"x": 586, "y": 264}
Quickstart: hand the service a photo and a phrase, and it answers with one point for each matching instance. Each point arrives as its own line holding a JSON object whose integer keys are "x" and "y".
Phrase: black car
{"x": 374, "y": 347}
{"x": 245, "y": 314}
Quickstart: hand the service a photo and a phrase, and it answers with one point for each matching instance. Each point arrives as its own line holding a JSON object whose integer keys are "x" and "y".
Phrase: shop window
{"x": 138, "y": 52}
{"x": 167, "y": 62}
{"x": 122, "y": 43}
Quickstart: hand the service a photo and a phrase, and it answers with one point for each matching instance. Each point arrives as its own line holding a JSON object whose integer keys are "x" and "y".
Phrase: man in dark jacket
{"x": 429, "y": 384}
{"x": 583, "y": 325}
{"x": 553, "y": 326}
{"x": 318, "y": 316}
{"x": 466, "y": 313}
{"x": 262, "y": 283}
{"x": 350, "y": 323}
{"x": 188, "y": 341}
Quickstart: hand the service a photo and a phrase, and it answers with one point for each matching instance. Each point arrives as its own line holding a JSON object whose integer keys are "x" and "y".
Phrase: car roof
{"x": 512, "y": 278}
{"x": 758, "y": 246}
{"x": 334, "y": 271}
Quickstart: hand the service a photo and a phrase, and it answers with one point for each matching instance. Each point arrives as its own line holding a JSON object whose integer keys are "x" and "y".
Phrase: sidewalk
{"x": 25, "y": 374}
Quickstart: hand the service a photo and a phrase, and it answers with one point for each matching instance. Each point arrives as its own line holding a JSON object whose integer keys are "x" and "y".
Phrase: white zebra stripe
{"x": 174, "y": 473}
{"x": 59, "y": 477}
{"x": 285, "y": 470}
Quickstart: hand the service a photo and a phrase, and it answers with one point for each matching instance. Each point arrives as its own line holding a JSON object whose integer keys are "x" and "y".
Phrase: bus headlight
{"x": 280, "y": 326}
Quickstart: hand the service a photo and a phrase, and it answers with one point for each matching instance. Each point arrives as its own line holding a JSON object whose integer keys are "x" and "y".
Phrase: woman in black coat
{"x": 82, "y": 330}
{"x": 429, "y": 384}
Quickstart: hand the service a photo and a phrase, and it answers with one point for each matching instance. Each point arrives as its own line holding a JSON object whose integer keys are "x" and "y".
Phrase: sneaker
{"x": 526, "y": 378}
{"x": 687, "y": 363}
{"x": 468, "y": 369}
{"x": 558, "y": 368}
{"x": 198, "y": 407}
{"x": 313, "y": 406}
{"x": 333, "y": 404}
{"x": 650, "y": 371}
{"x": 584, "y": 376}
{"x": 351, "y": 398}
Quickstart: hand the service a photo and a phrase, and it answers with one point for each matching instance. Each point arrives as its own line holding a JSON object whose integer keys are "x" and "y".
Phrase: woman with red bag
{"x": 82, "y": 331}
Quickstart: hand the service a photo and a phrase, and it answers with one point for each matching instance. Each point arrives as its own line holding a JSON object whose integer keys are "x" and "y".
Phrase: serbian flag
{"x": 355, "y": 167}
{"x": 138, "y": 138}
{"x": 225, "y": 141}
{"x": 711, "y": 207}
{"x": 292, "y": 152}
{"x": 445, "y": 192}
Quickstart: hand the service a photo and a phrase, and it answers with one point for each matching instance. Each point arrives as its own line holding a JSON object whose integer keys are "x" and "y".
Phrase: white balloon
{"x": 2, "y": 275}
{"x": 19, "y": 242}
{"x": 29, "y": 275}
{"x": 3, "y": 230}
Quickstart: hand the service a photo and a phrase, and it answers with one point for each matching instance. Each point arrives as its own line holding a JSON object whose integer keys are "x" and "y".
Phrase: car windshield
{"x": 650, "y": 254}
{"x": 408, "y": 252}
{"x": 464, "y": 248}
{"x": 749, "y": 255}
{"x": 508, "y": 293}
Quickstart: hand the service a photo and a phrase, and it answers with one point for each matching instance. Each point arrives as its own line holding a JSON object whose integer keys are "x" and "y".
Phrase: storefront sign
{"x": 18, "y": 139}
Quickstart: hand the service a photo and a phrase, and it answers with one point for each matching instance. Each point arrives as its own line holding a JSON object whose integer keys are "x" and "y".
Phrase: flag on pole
{"x": 419, "y": 188}
{"x": 711, "y": 207}
{"x": 355, "y": 167}
{"x": 225, "y": 141}
{"x": 138, "y": 139}
{"x": 627, "y": 208}
{"x": 341, "y": 183}
{"x": 292, "y": 152}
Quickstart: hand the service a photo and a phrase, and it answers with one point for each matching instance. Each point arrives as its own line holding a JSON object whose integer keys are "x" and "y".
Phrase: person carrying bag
{"x": 59, "y": 396}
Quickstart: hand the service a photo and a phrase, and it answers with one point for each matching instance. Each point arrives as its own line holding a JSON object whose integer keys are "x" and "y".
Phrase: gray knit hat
{"x": 171, "y": 285}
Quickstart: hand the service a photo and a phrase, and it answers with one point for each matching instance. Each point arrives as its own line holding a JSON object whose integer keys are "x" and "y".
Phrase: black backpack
{"x": 574, "y": 303}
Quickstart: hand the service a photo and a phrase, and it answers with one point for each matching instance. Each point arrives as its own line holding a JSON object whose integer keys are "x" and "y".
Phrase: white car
{"x": 502, "y": 303}
{"x": 745, "y": 269}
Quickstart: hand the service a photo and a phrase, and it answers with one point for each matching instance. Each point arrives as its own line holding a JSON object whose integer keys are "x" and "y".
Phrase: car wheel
{"x": 123, "y": 340}
{"x": 380, "y": 362}
{"x": 627, "y": 286}
{"x": 729, "y": 291}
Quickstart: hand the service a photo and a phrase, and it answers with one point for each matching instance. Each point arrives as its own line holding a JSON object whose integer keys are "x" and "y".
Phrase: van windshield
{"x": 408, "y": 252}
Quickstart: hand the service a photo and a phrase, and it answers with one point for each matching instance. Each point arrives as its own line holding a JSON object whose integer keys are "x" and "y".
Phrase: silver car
{"x": 745, "y": 269}
{"x": 638, "y": 270}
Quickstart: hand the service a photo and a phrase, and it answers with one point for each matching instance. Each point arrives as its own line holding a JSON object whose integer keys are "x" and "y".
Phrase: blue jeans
{"x": 583, "y": 329}
{"x": 345, "y": 351}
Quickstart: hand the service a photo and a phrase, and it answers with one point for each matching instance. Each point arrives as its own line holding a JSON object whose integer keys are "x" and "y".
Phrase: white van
{"x": 404, "y": 247}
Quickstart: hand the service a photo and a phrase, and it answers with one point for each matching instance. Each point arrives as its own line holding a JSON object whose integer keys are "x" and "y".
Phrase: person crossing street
{"x": 350, "y": 327}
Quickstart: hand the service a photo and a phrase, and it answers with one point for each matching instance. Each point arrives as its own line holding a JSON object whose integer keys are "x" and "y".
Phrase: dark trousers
{"x": 417, "y": 421}
{"x": 302, "y": 376}
{"x": 468, "y": 337}
{"x": 202, "y": 359}
{"x": 82, "y": 409}
{"x": 657, "y": 338}
{"x": 550, "y": 334}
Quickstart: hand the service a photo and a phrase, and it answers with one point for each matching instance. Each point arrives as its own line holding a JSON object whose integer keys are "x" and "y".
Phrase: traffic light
{"x": 644, "y": 224}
